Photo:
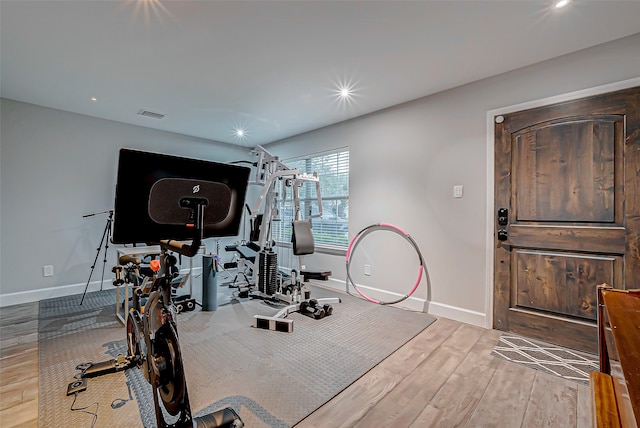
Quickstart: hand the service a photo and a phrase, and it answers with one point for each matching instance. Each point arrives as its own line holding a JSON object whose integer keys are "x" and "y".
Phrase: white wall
{"x": 55, "y": 168}
{"x": 406, "y": 159}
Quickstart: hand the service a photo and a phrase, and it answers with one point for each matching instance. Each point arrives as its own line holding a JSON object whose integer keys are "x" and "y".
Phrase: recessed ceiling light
{"x": 239, "y": 133}
{"x": 561, "y": 4}
{"x": 345, "y": 92}
{"x": 93, "y": 99}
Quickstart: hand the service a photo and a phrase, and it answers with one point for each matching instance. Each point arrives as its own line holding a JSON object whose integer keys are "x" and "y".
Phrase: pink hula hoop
{"x": 357, "y": 239}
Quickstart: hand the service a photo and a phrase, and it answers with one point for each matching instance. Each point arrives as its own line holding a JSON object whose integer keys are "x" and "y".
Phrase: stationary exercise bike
{"x": 152, "y": 340}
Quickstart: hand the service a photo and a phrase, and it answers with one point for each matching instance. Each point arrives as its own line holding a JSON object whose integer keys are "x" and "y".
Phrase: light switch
{"x": 457, "y": 191}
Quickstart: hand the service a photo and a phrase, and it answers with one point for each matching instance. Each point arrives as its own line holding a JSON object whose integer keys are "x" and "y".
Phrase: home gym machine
{"x": 152, "y": 338}
{"x": 258, "y": 263}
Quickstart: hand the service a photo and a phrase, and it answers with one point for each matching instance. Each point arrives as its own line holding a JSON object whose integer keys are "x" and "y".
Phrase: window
{"x": 330, "y": 230}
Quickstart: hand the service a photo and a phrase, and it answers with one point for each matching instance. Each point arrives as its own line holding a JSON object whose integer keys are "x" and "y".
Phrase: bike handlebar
{"x": 180, "y": 247}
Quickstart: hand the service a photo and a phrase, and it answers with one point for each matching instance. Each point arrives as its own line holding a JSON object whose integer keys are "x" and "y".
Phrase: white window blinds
{"x": 332, "y": 228}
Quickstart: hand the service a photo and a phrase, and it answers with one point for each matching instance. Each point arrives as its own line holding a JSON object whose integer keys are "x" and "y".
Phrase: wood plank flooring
{"x": 447, "y": 377}
{"x": 19, "y": 366}
{"x": 444, "y": 377}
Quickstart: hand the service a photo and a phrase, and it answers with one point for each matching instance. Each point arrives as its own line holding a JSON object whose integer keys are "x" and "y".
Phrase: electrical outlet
{"x": 47, "y": 270}
{"x": 457, "y": 191}
{"x": 367, "y": 270}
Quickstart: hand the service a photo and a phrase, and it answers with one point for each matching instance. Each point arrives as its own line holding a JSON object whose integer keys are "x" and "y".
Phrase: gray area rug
{"x": 272, "y": 379}
{"x": 553, "y": 359}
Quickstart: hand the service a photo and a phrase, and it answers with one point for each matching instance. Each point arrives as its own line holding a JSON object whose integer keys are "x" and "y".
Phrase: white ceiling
{"x": 272, "y": 67}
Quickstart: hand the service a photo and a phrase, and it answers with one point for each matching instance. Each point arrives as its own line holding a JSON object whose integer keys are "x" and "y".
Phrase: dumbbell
{"x": 118, "y": 271}
{"x": 312, "y": 308}
{"x": 184, "y": 303}
{"x": 184, "y": 306}
{"x": 328, "y": 309}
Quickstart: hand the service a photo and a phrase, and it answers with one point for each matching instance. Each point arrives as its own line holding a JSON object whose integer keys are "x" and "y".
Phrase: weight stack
{"x": 268, "y": 265}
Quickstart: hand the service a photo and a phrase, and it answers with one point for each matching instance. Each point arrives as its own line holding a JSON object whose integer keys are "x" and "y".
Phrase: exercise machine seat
{"x": 302, "y": 238}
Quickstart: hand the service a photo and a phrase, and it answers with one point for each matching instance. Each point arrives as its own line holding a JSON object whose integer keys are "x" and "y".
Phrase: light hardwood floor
{"x": 19, "y": 366}
{"x": 444, "y": 377}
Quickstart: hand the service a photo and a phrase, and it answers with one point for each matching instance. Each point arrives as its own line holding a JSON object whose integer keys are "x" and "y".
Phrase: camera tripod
{"x": 106, "y": 234}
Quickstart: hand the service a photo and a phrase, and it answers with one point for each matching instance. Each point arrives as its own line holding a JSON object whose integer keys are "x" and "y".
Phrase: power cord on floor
{"x": 119, "y": 402}
{"x": 84, "y": 409}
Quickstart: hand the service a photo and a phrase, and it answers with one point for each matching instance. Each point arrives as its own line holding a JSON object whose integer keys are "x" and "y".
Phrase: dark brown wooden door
{"x": 569, "y": 176}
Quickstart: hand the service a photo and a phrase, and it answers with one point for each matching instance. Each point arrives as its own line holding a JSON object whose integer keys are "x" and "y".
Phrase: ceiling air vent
{"x": 151, "y": 114}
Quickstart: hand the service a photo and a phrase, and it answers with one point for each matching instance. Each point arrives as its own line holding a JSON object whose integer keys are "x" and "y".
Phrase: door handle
{"x": 503, "y": 220}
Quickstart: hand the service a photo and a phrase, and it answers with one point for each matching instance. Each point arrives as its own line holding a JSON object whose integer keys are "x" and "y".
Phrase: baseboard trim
{"x": 30, "y": 296}
{"x": 416, "y": 304}
{"x": 457, "y": 314}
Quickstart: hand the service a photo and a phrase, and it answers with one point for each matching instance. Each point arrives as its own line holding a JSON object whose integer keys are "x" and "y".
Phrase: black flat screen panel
{"x": 139, "y": 171}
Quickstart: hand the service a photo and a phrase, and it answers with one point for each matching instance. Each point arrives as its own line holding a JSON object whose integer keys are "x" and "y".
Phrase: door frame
{"x": 490, "y": 215}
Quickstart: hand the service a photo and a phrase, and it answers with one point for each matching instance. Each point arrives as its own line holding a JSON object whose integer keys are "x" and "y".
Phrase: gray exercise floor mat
{"x": 272, "y": 379}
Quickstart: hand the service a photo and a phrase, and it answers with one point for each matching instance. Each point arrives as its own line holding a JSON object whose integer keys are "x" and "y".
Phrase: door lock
{"x": 503, "y": 220}
{"x": 503, "y": 216}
